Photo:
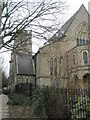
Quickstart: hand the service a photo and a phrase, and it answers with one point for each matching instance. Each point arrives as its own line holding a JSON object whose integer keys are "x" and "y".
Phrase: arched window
{"x": 27, "y": 80}
{"x": 83, "y": 41}
{"x": 74, "y": 58}
{"x": 55, "y": 83}
{"x": 85, "y": 57}
{"x": 51, "y": 82}
{"x": 80, "y": 41}
{"x": 55, "y": 67}
{"x": 86, "y": 80}
{"x": 51, "y": 66}
{"x": 86, "y": 77}
{"x": 77, "y": 41}
{"x": 87, "y": 42}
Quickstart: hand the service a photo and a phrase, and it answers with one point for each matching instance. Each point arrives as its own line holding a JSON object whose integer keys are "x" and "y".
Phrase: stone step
{"x": 6, "y": 109}
{"x": 5, "y": 115}
{"x": 4, "y": 112}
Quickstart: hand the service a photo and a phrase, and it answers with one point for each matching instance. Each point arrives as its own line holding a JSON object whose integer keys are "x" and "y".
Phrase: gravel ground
{"x": 19, "y": 112}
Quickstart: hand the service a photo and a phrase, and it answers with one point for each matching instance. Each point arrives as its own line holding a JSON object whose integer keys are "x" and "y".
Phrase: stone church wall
{"x": 60, "y": 49}
{"x": 43, "y": 62}
{"x": 24, "y": 79}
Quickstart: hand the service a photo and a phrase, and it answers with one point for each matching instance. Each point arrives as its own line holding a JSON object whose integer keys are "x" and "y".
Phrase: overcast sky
{"x": 74, "y": 5}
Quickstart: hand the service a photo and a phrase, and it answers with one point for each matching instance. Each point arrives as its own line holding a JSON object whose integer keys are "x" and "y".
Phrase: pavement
{"x": 4, "y": 109}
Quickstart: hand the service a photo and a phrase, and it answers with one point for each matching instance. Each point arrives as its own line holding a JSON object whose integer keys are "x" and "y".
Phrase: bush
{"x": 38, "y": 104}
{"x": 19, "y": 99}
{"x": 50, "y": 103}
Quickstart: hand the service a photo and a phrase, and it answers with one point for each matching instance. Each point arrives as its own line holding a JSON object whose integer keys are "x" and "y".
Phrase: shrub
{"x": 50, "y": 103}
{"x": 38, "y": 104}
{"x": 19, "y": 99}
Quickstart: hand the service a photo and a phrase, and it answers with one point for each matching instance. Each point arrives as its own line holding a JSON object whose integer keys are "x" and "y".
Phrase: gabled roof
{"x": 61, "y": 32}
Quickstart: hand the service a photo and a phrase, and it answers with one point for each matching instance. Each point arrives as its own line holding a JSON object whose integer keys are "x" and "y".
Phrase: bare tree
{"x": 40, "y": 16}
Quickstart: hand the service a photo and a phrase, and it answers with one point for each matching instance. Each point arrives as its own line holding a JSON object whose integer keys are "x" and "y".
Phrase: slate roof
{"x": 61, "y": 32}
{"x": 24, "y": 64}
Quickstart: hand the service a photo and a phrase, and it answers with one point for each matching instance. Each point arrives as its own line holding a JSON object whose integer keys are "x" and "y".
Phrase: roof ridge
{"x": 72, "y": 17}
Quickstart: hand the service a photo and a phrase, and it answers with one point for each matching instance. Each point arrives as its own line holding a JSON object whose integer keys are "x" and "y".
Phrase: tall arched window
{"x": 27, "y": 80}
{"x": 51, "y": 66}
{"x": 55, "y": 67}
{"x": 74, "y": 58}
{"x": 80, "y": 41}
{"x": 87, "y": 42}
{"x": 77, "y": 41}
{"x": 83, "y": 41}
{"x": 55, "y": 83}
{"x": 85, "y": 57}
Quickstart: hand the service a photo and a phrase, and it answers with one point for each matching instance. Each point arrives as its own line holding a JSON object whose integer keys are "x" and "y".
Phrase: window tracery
{"x": 55, "y": 67}
{"x": 74, "y": 58}
{"x": 82, "y": 34}
{"x": 51, "y": 66}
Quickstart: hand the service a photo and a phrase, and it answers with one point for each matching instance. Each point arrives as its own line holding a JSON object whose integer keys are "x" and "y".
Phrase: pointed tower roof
{"x": 61, "y": 32}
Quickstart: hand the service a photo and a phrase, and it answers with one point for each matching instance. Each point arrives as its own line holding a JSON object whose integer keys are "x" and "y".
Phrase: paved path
{"x": 4, "y": 111}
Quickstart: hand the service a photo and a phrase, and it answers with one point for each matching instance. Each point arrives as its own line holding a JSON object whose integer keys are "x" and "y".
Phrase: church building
{"x": 65, "y": 57}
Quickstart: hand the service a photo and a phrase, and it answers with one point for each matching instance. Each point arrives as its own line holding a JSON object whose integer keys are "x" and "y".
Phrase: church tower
{"x": 22, "y": 69}
{"x": 23, "y": 43}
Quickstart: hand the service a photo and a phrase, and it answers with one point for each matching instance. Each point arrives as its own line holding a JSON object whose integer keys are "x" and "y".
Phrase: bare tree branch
{"x": 25, "y": 15}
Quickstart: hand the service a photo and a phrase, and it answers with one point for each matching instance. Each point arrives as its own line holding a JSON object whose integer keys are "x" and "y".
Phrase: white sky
{"x": 74, "y": 5}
